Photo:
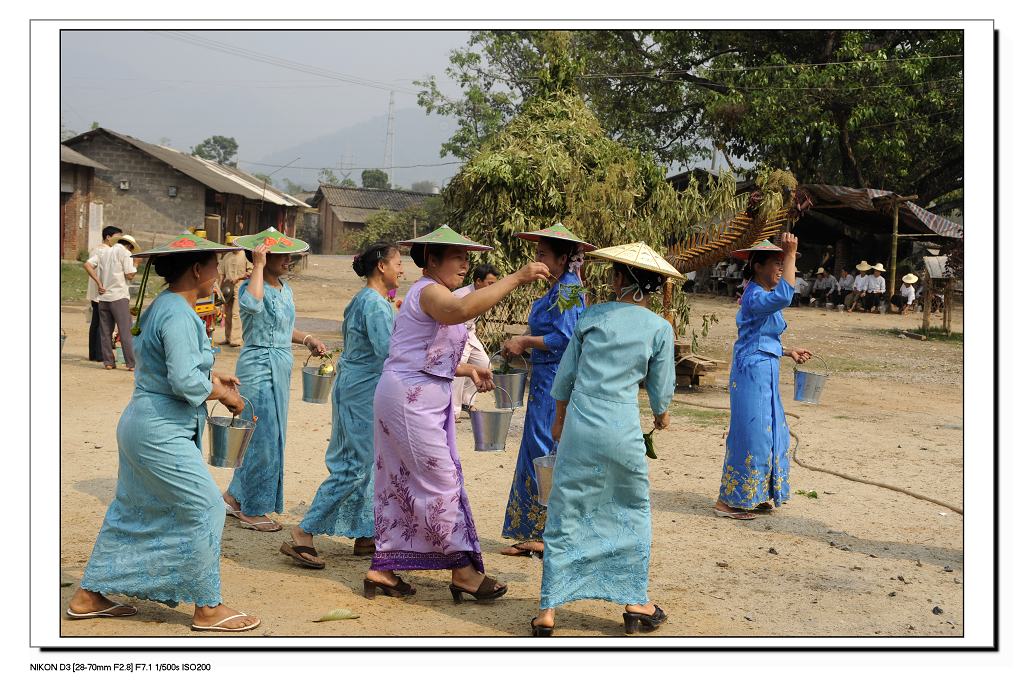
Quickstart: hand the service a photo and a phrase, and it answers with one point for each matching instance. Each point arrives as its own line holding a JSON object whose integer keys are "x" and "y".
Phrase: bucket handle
{"x": 526, "y": 360}
{"x": 235, "y": 417}
{"x": 815, "y": 356}
{"x": 496, "y": 388}
{"x": 306, "y": 364}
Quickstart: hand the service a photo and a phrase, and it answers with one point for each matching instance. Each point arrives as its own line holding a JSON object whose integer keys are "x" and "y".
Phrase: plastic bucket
{"x": 807, "y": 386}
{"x": 545, "y": 468}
{"x": 514, "y": 386}
{"x": 490, "y": 427}
{"x": 316, "y": 388}
{"x": 118, "y": 355}
{"x": 229, "y": 438}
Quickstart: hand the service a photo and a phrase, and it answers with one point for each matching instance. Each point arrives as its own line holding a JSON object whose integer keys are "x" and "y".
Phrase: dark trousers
{"x": 871, "y": 300}
{"x": 119, "y": 313}
{"x": 95, "y": 352}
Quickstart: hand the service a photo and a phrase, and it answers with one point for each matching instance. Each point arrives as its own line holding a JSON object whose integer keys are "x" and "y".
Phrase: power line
{"x": 245, "y": 53}
{"x": 352, "y": 169}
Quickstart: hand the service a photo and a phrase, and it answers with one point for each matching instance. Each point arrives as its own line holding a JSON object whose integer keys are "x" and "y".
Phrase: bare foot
{"x": 646, "y": 609}
{"x": 260, "y": 523}
{"x": 546, "y": 618}
{"x": 206, "y": 616}
{"x": 735, "y": 513}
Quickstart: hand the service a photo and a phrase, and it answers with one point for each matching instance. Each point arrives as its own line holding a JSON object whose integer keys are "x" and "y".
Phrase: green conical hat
{"x": 557, "y": 231}
{"x": 185, "y": 243}
{"x": 640, "y": 255}
{"x": 765, "y": 245}
{"x": 445, "y": 236}
{"x": 278, "y": 242}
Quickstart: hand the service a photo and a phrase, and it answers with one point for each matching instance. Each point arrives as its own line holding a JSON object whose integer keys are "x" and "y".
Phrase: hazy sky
{"x": 155, "y": 87}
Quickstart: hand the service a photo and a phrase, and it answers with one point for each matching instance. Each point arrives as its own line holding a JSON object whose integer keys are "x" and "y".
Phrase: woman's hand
{"x": 788, "y": 242}
{"x": 556, "y": 428}
{"x": 661, "y": 421}
{"x": 227, "y": 395}
{"x": 482, "y": 377}
{"x": 800, "y": 355}
{"x": 317, "y": 346}
{"x": 259, "y": 256}
{"x": 231, "y": 382}
{"x": 532, "y": 271}
{"x": 514, "y": 346}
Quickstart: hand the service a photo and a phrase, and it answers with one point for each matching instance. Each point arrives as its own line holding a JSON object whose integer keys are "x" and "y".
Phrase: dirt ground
{"x": 856, "y": 561}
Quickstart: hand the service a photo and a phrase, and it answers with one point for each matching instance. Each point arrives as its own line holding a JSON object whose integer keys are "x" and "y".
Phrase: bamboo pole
{"x": 895, "y": 243}
{"x": 926, "y": 320}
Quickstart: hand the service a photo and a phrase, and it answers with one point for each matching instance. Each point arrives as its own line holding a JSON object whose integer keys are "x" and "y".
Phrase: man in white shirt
{"x": 875, "y": 288}
{"x": 845, "y": 286}
{"x": 860, "y": 290}
{"x": 474, "y": 353}
{"x": 907, "y": 295}
{"x": 111, "y": 269}
{"x": 800, "y": 290}
{"x": 825, "y": 285}
{"x": 110, "y": 236}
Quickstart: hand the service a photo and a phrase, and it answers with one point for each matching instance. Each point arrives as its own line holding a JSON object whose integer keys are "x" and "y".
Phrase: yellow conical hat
{"x": 637, "y": 254}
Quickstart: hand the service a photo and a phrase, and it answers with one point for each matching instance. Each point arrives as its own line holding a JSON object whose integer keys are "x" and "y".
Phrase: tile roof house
{"x": 345, "y": 210}
{"x": 146, "y": 188}
{"x": 78, "y": 213}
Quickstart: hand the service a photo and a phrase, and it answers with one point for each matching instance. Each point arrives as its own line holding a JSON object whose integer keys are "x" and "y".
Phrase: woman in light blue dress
{"x": 343, "y": 505}
{"x": 597, "y": 541}
{"x": 756, "y": 470}
{"x": 546, "y": 338}
{"x": 265, "y": 369}
{"x": 161, "y": 535}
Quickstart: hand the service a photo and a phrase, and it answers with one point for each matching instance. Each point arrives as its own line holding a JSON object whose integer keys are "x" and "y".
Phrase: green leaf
{"x": 649, "y": 443}
{"x": 337, "y": 614}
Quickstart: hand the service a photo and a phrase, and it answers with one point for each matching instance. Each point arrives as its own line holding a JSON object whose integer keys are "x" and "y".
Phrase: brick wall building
{"x": 151, "y": 190}
{"x": 76, "y": 183}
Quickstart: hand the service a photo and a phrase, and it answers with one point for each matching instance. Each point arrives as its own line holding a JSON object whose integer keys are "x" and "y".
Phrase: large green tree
{"x": 375, "y": 178}
{"x": 220, "y": 149}
{"x": 880, "y": 108}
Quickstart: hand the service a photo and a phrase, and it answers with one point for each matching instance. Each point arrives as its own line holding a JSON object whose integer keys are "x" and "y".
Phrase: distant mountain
{"x": 418, "y": 139}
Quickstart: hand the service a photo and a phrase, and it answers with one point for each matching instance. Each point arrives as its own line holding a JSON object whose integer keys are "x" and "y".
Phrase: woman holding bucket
{"x": 344, "y": 502}
{"x": 597, "y": 540}
{"x": 421, "y": 511}
{"x": 161, "y": 536}
{"x": 756, "y": 470}
{"x": 548, "y": 334}
{"x": 265, "y": 368}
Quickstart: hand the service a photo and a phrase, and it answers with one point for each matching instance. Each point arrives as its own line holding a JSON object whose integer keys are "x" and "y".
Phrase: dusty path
{"x": 856, "y": 561}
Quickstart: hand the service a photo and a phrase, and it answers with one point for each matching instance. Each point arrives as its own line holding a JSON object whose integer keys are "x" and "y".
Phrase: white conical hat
{"x": 910, "y": 278}
{"x": 863, "y": 266}
{"x": 878, "y": 266}
{"x": 637, "y": 254}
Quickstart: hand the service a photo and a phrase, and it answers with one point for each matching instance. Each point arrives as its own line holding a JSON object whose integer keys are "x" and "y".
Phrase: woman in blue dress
{"x": 343, "y": 505}
{"x": 597, "y": 541}
{"x": 161, "y": 535}
{"x": 265, "y": 369}
{"x": 548, "y": 335}
{"x": 756, "y": 470}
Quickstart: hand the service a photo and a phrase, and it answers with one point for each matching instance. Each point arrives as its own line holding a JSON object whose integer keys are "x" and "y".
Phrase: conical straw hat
{"x": 766, "y": 245}
{"x": 878, "y": 266}
{"x": 909, "y": 278}
{"x": 559, "y": 232}
{"x": 637, "y": 254}
{"x": 863, "y": 266}
{"x": 445, "y": 236}
{"x": 277, "y": 242}
{"x": 186, "y": 243}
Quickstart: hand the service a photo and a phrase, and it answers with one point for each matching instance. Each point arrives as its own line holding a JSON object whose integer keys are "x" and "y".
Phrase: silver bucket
{"x": 229, "y": 438}
{"x": 316, "y": 388}
{"x": 514, "y": 386}
{"x": 490, "y": 427}
{"x": 807, "y": 386}
{"x": 545, "y": 469}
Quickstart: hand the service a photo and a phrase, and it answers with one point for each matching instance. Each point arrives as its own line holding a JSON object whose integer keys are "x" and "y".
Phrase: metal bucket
{"x": 490, "y": 427}
{"x": 807, "y": 386}
{"x": 830, "y": 306}
{"x": 229, "y": 438}
{"x": 545, "y": 468}
{"x": 316, "y": 388}
{"x": 514, "y": 386}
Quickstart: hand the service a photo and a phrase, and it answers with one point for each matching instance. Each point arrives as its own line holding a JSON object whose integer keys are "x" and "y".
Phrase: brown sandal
{"x": 360, "y": 548}
{"x": 399, "y": 590}
{"x": 487, "y": 591}
{"x": 293, "y": 550}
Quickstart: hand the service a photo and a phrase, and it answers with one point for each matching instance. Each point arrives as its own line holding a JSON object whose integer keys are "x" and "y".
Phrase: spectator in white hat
{"x": 905, "y": 299}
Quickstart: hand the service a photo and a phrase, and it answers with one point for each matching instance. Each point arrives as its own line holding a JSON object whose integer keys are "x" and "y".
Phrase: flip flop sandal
{"x": 230, "y": 512}
{"x": 293, "y": 550}
{"x": 255, "y": 526}
{"x": 399, "y": 590}
{"x": 765, "y": 507}
{"x": 217, "y": 626}
{"x": 105, "y": 613}
{"x": 738, "y": 515}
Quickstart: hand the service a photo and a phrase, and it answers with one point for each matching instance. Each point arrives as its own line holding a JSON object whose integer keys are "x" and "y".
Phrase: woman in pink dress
{"x": 422, "y": 519}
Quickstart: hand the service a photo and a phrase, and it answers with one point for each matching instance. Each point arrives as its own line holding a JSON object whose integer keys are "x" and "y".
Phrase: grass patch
{"x": 933, "y": 334}
{"x": 837, "y": 364}
{"x": 700, "y": 416}
{"x": 74, "y": 283}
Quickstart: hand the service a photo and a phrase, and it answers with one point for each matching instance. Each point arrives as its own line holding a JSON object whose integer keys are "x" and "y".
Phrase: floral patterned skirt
{"x": 597, "y": 540}
{"x": 756, "y": 466}
{"x": 422, "y": 519}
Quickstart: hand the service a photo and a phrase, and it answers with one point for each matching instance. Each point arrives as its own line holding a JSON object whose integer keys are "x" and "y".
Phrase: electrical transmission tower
{"x": 389, "y": 143}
